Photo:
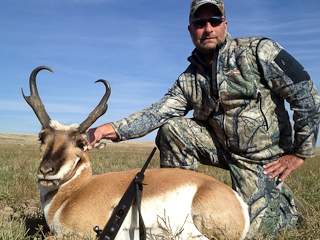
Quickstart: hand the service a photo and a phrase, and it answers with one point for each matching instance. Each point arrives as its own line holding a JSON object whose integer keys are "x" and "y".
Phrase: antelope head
{"x": 62, "y": 146}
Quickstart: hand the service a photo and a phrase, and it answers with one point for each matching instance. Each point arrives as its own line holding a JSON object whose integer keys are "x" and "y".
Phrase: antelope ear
{"x": 86, "y": 136}
{"x": 100, "y": 145}
{"x": 96, "y": 145}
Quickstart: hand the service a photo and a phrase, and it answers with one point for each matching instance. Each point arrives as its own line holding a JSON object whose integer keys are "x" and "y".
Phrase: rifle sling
{"x": 142, "y": 227}
{"x": 128, "y": 199}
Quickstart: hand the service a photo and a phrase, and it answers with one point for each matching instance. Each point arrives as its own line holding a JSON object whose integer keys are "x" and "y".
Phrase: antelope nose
{"x": 46, "y": 171}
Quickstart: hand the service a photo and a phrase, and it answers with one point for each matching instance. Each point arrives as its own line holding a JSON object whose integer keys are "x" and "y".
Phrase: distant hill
{"x": 24, "y": 139}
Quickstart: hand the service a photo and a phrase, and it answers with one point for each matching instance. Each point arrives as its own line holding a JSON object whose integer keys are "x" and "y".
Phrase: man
{"x": 237, "y": 90}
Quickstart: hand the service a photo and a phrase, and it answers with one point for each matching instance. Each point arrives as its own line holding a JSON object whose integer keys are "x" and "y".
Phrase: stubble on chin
{"x": 206, "y": 49}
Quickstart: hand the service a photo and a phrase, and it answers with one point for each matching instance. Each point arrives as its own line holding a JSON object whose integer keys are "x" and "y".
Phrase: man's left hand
{"x": 283, "y": 166}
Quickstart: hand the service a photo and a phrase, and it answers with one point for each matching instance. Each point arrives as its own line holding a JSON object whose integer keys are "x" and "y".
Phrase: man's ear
{"x": 226, "y": 24}
{"x": 189, "y": 29}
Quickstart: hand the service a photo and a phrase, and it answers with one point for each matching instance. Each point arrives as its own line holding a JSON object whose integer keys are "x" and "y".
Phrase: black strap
{"x": 132, "y": 194}
{"x": 139, "y": 188}
{"x": 214, "y": 81}
{"x": 260, "y": 68}
{"x": 142, "y": 227}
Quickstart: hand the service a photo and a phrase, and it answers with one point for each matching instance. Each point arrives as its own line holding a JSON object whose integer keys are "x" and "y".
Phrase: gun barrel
{"x": 148, "y": 160}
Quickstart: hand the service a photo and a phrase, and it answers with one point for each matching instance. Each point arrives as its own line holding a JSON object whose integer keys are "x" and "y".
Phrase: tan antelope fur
{"x": 74, "y": 200}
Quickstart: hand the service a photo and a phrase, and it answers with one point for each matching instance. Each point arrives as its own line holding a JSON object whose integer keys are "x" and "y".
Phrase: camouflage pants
{"x": 185, "y": 143}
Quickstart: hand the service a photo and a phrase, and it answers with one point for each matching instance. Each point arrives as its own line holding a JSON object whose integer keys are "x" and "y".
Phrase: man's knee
{"x": 168, "y": 132}
{"x": 175, "y": 148}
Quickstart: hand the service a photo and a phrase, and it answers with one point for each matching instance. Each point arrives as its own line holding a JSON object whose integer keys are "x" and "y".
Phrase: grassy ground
{"x": 20, "y": 211}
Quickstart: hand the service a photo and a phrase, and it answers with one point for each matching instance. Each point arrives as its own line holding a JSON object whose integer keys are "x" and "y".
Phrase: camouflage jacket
{"x": 249, "y": 116}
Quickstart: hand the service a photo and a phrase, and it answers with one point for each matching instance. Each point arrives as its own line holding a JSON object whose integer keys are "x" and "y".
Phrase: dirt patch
{"x": 27, "y": 209}
{"x": 30, "y": 213}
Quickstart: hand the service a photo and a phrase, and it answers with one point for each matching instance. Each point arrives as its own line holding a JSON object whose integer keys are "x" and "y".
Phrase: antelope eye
{"x": 41, "y": 139}
{"x": 81, "y": 145}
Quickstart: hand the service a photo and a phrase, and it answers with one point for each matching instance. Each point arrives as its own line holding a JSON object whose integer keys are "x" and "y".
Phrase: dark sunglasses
{"x": 201, "y": 22}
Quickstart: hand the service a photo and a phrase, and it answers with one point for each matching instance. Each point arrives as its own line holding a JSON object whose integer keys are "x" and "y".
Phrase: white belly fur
{"x": 171, "y": 211}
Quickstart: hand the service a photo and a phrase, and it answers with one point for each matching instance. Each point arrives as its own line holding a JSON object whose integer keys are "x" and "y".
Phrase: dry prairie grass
{"x": 20, "y": 211}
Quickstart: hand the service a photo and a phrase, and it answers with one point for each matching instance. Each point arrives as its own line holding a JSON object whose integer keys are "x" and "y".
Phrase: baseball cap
{"x": 196, "y": 4}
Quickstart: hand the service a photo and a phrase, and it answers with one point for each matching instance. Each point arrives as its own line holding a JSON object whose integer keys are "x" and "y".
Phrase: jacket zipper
{"x": 260, "y": 106}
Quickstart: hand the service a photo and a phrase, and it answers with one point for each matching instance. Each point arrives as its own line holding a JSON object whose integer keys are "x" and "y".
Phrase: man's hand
{"x": 283, "y": 166}
{"x": 105, "y": 131}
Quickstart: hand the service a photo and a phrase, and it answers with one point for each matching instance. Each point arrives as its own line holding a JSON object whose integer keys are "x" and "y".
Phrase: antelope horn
{"x": 98, "y": 111}
{"x": 34, "y": 100}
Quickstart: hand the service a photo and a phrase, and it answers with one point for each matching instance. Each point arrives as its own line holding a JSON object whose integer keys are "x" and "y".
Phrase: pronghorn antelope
{"x": 74, "y": 200}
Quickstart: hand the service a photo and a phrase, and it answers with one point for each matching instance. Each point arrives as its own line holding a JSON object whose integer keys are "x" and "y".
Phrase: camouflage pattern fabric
{"x": 185, "y": 143}
{"x": 249, "y": 120}
{"x": 196, "y": 4}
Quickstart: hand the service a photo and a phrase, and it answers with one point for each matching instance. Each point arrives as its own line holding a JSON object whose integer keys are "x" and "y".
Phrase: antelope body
{"x": 191, "y": 204}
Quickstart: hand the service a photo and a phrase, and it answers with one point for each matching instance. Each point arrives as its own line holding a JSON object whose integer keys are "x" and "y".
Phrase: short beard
{"x": 205, "y": 50}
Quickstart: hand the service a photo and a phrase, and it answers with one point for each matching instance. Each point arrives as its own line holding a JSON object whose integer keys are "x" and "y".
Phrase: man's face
{"x": 206, "y": 39}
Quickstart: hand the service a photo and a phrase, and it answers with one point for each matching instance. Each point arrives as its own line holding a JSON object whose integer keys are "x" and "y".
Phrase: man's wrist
{"x": 109, "y": 132}
{"x": 297, "y": 155}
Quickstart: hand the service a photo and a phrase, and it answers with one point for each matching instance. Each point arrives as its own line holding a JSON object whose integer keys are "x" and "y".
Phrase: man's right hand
{"x": 105, "y": 131}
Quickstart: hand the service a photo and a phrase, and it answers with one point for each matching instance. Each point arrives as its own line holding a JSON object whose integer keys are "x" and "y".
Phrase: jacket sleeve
{"x": 288, "y": 79}
{"x": 138, "y": 124}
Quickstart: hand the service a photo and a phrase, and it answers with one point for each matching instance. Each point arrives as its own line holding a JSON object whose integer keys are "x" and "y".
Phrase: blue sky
{"x": 140, "y": 47}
